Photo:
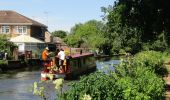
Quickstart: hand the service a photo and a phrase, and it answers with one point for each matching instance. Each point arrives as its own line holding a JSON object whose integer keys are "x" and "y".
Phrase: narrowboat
{"x": 75, "y": 65}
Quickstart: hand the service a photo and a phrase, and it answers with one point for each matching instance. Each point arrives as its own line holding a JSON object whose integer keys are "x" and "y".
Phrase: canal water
{"x": 18, "y": 86}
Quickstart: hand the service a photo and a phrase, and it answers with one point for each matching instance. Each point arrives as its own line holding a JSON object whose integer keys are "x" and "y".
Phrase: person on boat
{"x": 61, "y": 56}
{"x": 45, "y": 58}
{"x": 66, "y": 64}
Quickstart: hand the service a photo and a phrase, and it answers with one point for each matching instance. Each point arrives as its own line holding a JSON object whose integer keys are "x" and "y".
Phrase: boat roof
{"x": 81, "y": 55}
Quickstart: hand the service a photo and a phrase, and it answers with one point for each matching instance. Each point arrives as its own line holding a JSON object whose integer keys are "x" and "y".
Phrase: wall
{"x": 13, "y": 32}
{"x": 48, "y": 37}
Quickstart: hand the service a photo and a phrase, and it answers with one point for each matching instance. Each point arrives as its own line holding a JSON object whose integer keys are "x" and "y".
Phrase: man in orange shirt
{"x": 45, "y": 54}
{"x": 45, "y": 58}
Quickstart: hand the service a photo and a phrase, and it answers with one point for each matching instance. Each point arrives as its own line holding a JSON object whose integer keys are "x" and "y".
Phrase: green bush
{"x": 166, "y": 55}
{"x": 122, "y": 51}
{"x": 138, "y": 82}
{"x": 98, "y": 85}
{"x": 3, "y": 62}
{"x": 129, "y": 81}
{"x": 152, "y": 60}
{"x": 128, "y": 49}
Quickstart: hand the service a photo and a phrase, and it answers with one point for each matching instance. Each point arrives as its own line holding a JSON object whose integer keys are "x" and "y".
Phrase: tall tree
{"x": 90, "y": 35}
{"x": 140, "y": 21}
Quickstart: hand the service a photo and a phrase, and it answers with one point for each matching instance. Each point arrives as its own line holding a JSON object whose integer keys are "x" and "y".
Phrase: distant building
{"x": 59, "y": 42}
{"x": 17, "y": 26}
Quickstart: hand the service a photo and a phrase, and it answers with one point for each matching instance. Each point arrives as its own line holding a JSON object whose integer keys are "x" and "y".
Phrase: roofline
{"x": 29, "y": 42}
{"x": 29, "y": 19}
{"x": 26, "y": 18}
{"x": 22, "y": 24}
{"x": 15, "y": 23}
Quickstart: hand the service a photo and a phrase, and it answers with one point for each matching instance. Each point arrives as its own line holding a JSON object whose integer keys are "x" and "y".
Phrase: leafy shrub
{"x": 166, "y": 55}
{"x": 98, "y": 85}
{"x": 128, "y": 49}
{"x": 121, "y": 51}
{"x": 129, "y": 81}
{"x": 151, "y": 59}
{"x": 3, "y": 62}
{"x": 138, "y": 83}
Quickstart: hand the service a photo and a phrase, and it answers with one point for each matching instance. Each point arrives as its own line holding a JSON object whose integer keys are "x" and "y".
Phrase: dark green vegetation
{"x": 133, "y": 79}
{"x": 127, "y": 26}
{"x": 138, "y": 25}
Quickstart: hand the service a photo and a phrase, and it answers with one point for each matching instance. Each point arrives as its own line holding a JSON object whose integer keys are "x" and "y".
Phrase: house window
{"x": 5, "y": 29}
{"x": 21, "y": 29}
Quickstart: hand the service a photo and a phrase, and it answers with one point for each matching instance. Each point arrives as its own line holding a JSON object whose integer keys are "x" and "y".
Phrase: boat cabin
{"x": 73, "y": 66}
{"x": 82, "y": 63}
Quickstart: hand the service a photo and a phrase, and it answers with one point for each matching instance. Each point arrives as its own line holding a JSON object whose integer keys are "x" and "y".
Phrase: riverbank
{"x": 167, "y": 82}
{"x": 11, "y": 65}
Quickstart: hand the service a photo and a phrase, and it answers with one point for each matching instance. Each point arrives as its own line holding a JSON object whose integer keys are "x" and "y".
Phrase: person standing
{"x": 61, "y": 56}
{"x": 45, "y": 59}
{"x": 45, "y": 54}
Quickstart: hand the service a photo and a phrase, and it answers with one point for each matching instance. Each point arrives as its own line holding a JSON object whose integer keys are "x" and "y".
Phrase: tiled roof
{"x": 8, "y": 17}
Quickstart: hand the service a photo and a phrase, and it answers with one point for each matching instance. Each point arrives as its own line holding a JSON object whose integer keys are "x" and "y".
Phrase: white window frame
{"x": 5, "y": 29}
{"x": 21, "y": 30}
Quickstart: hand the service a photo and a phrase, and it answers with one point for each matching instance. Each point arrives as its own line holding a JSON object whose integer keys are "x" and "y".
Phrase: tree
{"x": 5, "y": 45}
{"x": 89, "y": 35}
{"x": 59, "y": 33}
{"x": 138, "y": 21}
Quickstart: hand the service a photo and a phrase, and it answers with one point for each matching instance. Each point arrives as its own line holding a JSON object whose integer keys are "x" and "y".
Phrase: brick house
{"x": 14, "y": 25}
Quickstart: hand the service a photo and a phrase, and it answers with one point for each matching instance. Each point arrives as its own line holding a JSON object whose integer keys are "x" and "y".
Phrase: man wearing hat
{"x": 45, "y": 54}
{"x": 45, "y": 59}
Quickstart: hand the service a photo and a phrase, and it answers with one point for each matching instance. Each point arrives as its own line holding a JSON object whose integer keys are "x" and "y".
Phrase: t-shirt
{"x": 44, "y": 55}
{"x": 61, "y": 55}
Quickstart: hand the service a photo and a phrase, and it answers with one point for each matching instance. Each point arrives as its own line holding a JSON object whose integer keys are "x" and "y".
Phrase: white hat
{"x": 47, "y": 48}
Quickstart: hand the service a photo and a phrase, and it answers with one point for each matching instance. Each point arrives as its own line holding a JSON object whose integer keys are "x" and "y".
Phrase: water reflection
{"x": 17, "y": 86}
{"x": 107, "y": 64}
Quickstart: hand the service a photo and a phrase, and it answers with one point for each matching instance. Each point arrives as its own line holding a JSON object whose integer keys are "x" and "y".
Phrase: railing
{"x": 72, "y": 51}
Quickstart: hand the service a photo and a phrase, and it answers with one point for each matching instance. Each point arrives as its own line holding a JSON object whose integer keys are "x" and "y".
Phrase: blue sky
{"x": 58, "y": 14}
